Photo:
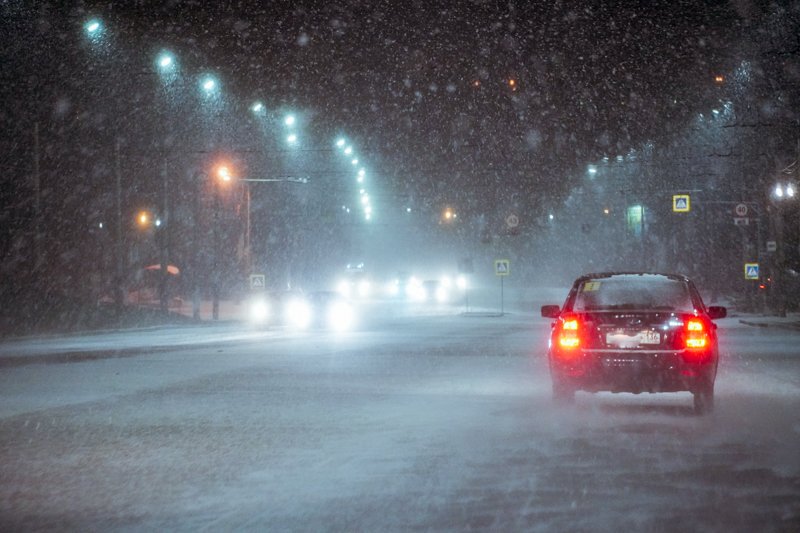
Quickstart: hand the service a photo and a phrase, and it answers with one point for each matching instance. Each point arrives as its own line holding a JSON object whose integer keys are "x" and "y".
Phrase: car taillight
{"x": 696, "y": 340}
{"x": 569, "y": 337}
{"x": 696, "y": 334}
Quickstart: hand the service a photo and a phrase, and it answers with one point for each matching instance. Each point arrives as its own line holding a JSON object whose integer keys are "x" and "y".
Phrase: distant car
{"x": 634, "y": 332}
{"x": 355, "y": 285}
{"x": 280, "y": 308}
{"x": 331, "y": 310}
{"x": 434, "y": 291}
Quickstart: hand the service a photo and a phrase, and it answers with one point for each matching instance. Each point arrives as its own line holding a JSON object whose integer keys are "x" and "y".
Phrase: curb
{"x": 794, "y": 326}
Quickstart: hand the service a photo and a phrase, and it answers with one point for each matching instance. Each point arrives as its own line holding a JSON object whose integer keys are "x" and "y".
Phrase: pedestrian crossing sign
{"x": 681, "y": 203}
{"x": 751, "y": 271}
{"x": 257, "y": 282}
{"x": 502, "y": 267}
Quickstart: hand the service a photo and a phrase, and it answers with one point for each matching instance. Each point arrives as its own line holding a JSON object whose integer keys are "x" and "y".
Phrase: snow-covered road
{"x": 435, "y": 423}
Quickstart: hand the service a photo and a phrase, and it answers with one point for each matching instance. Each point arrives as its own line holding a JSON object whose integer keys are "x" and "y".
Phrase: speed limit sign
{"x": 740, "y": 210}
{"x": 512, "y": 221}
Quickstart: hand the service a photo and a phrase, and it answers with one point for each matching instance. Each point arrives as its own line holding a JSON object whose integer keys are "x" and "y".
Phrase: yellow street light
{"x": 224, "y": 173}
{"x": 143, "y": 218}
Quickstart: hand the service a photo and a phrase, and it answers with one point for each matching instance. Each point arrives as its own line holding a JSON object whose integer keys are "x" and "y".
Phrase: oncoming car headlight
{"x": 340, "y": 316}
{"x": 344, "y": 288}
{"x": 298, "y": 314}
{"x": 441, "y": 294}
{"x": 259, "y": 311}
{"x": 364, "y": 289}
{"x": 393, "y": 288}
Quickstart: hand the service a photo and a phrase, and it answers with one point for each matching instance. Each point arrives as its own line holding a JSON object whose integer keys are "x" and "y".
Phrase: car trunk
{"x": 632, "y": 331}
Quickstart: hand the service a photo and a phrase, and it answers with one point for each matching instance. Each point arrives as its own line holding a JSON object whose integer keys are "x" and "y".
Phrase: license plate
{"x": 625, "y": 339}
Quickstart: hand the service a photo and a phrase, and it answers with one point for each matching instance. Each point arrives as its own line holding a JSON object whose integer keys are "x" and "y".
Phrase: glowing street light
{"x": 289, "y": 120}
{"x": 165, "y": 61}
{"x": 224, "y": 173}
{"x": 167, "y": 67}
{"x": 257, "y": 108}
{"x": 209, "y": 85}
{"x": 783, "y": 191}
{"x": 292, "y": 138}
{"x": 93, "y": 27}
{"x": 340, "y": 143}
{"x": 143, "y": 219}
{"x": 348, "y": 150}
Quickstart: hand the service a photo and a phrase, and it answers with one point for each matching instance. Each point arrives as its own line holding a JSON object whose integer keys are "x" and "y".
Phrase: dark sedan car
{"x": 634, "y": 332}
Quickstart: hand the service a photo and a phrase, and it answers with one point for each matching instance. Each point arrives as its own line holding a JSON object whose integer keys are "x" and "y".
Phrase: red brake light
{"x": 695, "y": 325}
{"x": 696, "y": 343}
{"x": 696, "y": 334}
{"x": 568, "y": 336}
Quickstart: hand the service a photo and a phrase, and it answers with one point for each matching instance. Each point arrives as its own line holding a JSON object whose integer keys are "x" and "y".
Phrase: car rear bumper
{"x": 633, "y": 371}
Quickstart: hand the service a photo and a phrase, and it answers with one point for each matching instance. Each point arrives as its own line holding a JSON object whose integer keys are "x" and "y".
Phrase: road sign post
{"x": 258, "y": 282}
{"x": 502, "y": 268}
{"x": 751, "y": 271}
{"x": 681, "y": 203}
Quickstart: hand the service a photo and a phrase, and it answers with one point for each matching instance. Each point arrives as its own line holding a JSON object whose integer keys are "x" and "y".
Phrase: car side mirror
{"x": 717, "y": 311}
{"x": 551, "y": 311}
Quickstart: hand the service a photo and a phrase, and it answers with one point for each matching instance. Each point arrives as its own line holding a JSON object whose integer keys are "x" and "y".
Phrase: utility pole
{"x": 163, "y": 232}
{"x": 778, "y": 259}
{"x": 215, "y": 262}
{"x": 37, "y": 203}
{"x": 195, "y": 285}
{"x": 118, "y": 262}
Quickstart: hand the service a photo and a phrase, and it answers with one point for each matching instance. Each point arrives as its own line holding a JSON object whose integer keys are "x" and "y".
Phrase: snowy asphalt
{"x": 437, "y": 422}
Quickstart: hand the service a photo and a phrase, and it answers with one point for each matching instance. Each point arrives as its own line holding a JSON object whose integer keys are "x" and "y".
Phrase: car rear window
{"x": 633, "y": 292}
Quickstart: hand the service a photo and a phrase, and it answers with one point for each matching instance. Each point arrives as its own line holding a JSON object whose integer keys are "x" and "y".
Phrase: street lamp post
{"x": 163, "y": 233}
{"x": 215, "y": 276}
{"x": 199, "y": 179}
{"x": 119, "y": 295}
{"x": 781, "y": 193}
{"x": 223, "y": 173}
